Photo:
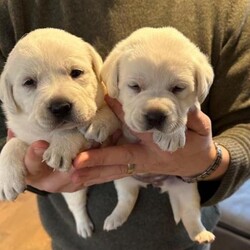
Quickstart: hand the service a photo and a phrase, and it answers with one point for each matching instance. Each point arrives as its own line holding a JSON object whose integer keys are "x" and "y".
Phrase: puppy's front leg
{"x": 104, "y": 124}
{"x": 77, "y": 204}
{"x": 12, "y": 169}
{"x": 63, "y": 148}
{"x": 170, "y": 142}
{"x": 127, "y": 192}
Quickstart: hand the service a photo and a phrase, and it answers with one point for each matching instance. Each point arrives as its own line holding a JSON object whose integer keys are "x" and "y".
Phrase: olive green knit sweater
{"x": 220, "y": 28}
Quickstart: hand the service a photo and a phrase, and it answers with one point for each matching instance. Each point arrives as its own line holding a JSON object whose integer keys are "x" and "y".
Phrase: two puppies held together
{"x": 57, "y": 95}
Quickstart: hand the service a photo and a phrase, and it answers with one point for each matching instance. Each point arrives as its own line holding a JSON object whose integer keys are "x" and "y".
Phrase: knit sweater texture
{"x": 221, "y": 29}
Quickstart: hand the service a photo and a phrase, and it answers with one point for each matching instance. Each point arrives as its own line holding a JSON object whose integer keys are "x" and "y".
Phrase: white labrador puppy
{"x": 158, "y": 75}
{"x": 50, "y": 88}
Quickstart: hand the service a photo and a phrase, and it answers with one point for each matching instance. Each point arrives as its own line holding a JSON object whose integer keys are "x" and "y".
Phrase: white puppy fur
{"x": 158, "y": 75}
{"x": 50, "y": 88}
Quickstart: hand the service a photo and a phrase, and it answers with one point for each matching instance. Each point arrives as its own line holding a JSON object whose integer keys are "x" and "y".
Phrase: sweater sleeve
{"x": 2, "y": 119}
{"x": 7, "y": 41}
{"x": 231, "y": 93}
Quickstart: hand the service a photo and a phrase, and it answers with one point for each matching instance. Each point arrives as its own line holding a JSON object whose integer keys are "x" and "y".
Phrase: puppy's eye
{"x": 177, "y": 89}
{"x": 135, "y": 87}
{"x": 75, "y": 73}
{"x": 30, "y": 83}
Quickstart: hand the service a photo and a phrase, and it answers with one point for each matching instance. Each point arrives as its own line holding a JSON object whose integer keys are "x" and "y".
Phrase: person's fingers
{"x": 90, "y": 176}
{"x": 115, "y": 156}
{"x": 119, "y": 155}
{"x": 115, "y": 106}
{"x": 199, "y": 122}
{"x": 33, "y": 158}
{"x": 57, "y": 181}
{"x": 100, "y": 181}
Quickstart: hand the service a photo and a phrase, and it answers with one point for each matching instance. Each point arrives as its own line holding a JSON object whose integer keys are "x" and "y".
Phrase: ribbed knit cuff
{"x": 238, "y": 170}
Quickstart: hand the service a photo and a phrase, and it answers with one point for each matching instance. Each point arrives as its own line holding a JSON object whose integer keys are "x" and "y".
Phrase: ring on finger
{"x": 131, "y": 168}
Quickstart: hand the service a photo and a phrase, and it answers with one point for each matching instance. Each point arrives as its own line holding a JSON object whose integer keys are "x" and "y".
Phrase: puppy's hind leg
{"x": 77, "y": 204}
{"x": 127, "y": 192}
{"x": 186, "y": 197}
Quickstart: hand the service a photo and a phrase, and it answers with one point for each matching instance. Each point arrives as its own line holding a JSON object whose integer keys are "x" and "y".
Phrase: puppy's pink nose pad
{"x": 155, "y": 119}
{"x": 60, "y": 108}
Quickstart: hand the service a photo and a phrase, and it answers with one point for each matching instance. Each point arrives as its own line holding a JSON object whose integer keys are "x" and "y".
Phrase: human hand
{"x": 106, "y": 164}
{"x": 41, "y": 176}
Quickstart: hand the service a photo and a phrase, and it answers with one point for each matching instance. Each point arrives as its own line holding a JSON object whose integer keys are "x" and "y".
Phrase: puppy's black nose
{"x": 155, "y": 119}
{"x": 60, "y": 108}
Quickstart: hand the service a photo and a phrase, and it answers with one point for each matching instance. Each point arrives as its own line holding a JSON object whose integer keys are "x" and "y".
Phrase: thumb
{"x": 199, "y": 122}
{"x": 115, "y": 106}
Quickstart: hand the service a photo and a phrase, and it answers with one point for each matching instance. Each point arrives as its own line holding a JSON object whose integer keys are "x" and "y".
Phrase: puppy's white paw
{"x": 11, "y": 183}
{"x": 97, "y": 131}
{"x": 84, "y": 229}
{"x": 113, "y": 221}
{"x": 204, "y": 237}
{"x": 171, "y": 142}
{"x": 58, "y": 158}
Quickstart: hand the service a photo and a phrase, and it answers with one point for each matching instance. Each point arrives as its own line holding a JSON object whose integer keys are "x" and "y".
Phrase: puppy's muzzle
{"x": 155, "y": 119}
{"x": 60, "y": 108}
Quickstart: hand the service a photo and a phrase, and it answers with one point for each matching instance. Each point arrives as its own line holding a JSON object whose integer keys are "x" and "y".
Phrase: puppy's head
{"x": 157, "y": 75}
{"x": 52, "y": 78}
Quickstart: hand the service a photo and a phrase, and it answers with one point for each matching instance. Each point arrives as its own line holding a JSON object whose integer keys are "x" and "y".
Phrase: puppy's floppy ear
{"x": 96, "y": 61}
{"x": 204, "y": 76}
{"x": 110, "y": 72}
{"x": 6, "y": 94}
{"x": 110, "y": 69}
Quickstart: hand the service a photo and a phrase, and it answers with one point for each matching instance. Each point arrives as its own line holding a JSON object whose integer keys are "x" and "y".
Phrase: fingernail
{"x": 76, "y": 164}
{"x": 39, "y": 151}
{"x": 193, "y": 108}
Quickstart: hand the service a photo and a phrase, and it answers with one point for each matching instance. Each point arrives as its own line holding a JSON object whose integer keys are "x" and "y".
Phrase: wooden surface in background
{"x": 20, "y": 226}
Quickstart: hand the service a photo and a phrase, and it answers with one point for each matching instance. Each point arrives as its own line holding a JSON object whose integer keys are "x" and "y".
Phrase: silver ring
{"x": 131, "y": 168}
